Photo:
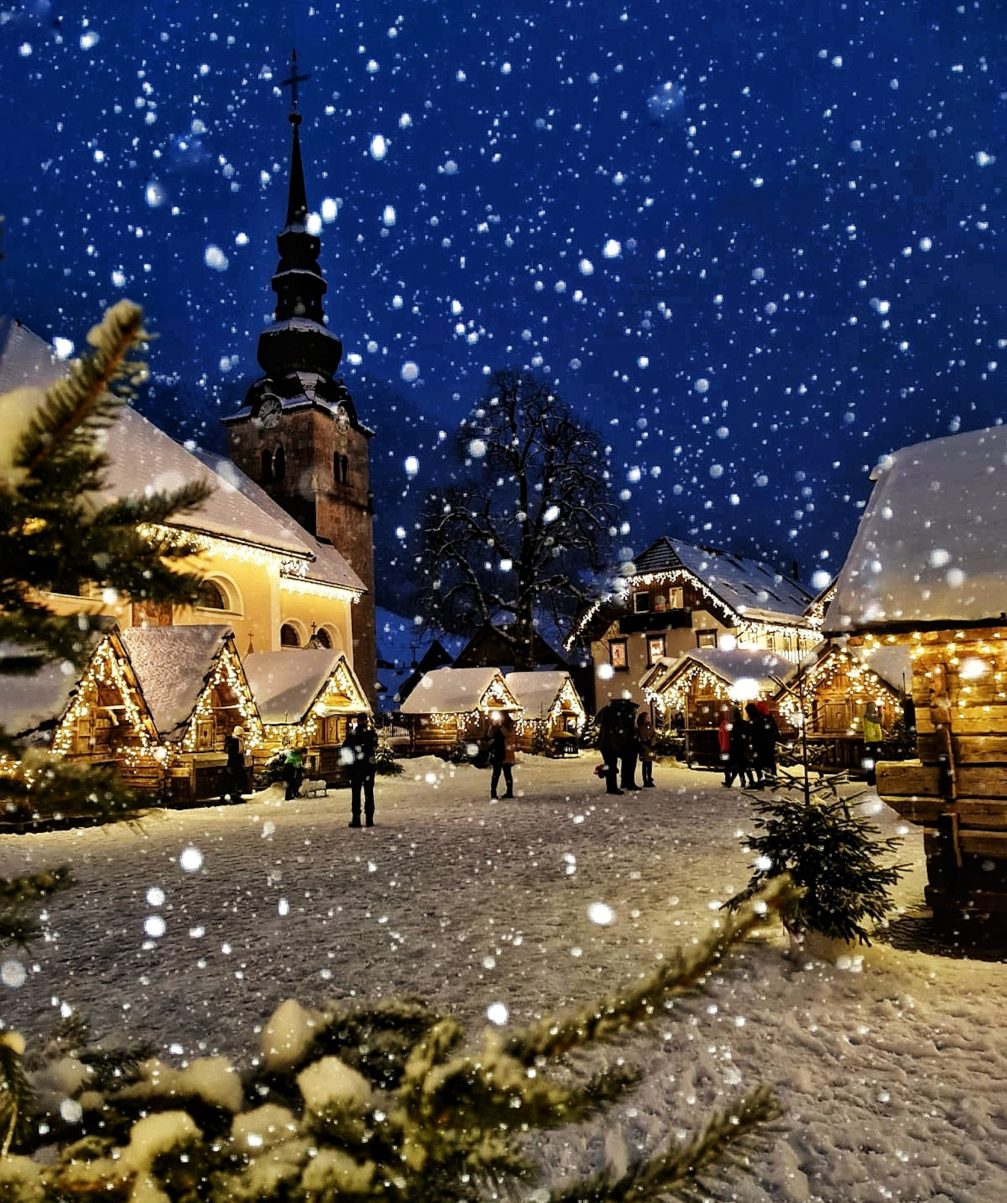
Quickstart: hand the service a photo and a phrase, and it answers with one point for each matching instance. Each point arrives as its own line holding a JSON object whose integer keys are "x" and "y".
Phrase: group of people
{"x": 748, "y": 745}
{"x": 625, "y": 739}
{"x": 357, "y": 756}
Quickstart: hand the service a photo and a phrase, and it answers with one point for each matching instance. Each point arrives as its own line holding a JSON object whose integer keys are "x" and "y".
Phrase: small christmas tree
{"x": 832, "y": 856}
{"x": 59, "y": 532}
{"x": 386, "y": 1103}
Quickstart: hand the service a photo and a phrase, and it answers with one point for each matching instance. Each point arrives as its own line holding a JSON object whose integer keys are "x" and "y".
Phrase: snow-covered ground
{"x": 893, "y": 1069}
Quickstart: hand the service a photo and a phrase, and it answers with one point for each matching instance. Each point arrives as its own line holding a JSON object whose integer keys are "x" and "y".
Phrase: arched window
{"x": 267, "y": 466}
{"x": 320, "y": 637}
{"x": 212, "y": 597}
{"x": 279, "y": 464}
{"x": 289, "y": 636}
{"x": 340, "y": 468}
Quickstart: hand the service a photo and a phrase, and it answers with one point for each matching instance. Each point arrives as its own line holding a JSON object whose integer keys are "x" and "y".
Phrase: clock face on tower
{"x": 269, "y": 410}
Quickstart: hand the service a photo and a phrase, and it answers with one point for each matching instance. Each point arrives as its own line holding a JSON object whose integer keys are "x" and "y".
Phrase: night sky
{"x": 756, "y": 245}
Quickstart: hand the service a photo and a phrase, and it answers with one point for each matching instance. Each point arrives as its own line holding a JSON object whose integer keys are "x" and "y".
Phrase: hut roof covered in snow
{"x": 287, "y": 684}
{"x": 172, "y": 665}
{"x": 732, "y": 665}
{"x": 459, "y": 691}
{"x": 930, "y": 547}
{"x": 538, "y": 692}
{"x": 749, "y": 587}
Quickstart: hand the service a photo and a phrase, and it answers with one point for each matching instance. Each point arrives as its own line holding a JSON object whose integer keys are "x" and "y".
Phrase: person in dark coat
{"x": 645, "y": 742}
{"x": 740, "y": 756}
{"x": 293, "y": 772}
{"x": 764, "y": 733}
{"x": 359, "y": 747}
{"x": 503, "y": 753}
{"x": 236, "y": 777}
{"x": 617, "y": 744}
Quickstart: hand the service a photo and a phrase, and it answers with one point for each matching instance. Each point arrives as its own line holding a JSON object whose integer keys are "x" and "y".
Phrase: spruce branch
{"x": 551, "y": 1038}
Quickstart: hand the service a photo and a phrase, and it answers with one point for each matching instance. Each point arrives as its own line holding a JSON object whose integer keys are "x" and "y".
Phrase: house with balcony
{"x": 677, "y": 597}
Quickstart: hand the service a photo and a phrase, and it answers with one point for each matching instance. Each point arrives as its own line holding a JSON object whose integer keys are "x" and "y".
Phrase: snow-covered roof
{"x": 538, "y": 692}
{"x": 458, "y": 691}
{"x": 144, "y": 458}
{"x": 171, "y": 666}
{"x": 749, "y": 587}
{"x": 735, "y": 664}
{"x": 930, "y": 547}
{"x": 287, "y": 684}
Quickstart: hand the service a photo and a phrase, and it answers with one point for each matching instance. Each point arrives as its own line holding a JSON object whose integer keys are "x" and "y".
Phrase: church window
{"x": 320, "y": 637}
{"x": 340, "y": 468}
{"x": 279, "y": 464}
{"x": 212, "y": 597}
{"x": 289, "y": 636}
{"x": 266, "y": 474}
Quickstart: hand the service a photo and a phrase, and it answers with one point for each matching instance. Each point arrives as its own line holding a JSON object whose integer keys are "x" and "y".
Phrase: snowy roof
{"x": 930, "y": 546}
{"x": 749, "y": 587}
{"x": 537, "y": 692}
{"x": 171, "y": 666}
{"x": 458, "y": 691}
{"x": 286, "y": 684}
{"x": 735, "y": 664}
{"x": 144, "y": 458}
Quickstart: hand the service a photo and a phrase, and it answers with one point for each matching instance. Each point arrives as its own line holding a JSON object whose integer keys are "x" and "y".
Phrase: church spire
{"x": 298, "y": 339}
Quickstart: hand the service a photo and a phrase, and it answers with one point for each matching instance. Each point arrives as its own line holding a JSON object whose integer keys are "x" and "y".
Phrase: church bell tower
{"x": 298, "y": 435}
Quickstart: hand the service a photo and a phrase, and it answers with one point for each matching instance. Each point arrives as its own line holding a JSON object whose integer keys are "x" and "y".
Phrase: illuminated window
{"x": 617, "y": 655}
{"x": 676, "y": 598}
{"x": 706, "y": 638}
{"x": 655, "y": 649}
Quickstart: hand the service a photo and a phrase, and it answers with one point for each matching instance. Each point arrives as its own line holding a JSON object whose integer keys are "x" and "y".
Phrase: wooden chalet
{"x": 195, "y": 686}
{"x": 691, "y": 694}
{"x": 677, "y": 598}
{"x": 450, "y": 704}
{"x": 927, "y": 572}
{"x": 553, "y": 713}
{"x": 99, "y": 717}
{"x": 307, "y": 699}
{"x": 831, "y": 689}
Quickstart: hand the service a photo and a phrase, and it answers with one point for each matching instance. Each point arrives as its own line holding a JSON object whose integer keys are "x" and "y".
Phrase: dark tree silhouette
{"x": 525, "y": 517}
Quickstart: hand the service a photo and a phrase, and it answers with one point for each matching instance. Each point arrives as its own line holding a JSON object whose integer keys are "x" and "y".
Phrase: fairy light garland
{"x": 105, "y": 670}
{"x": 226, "y": 671}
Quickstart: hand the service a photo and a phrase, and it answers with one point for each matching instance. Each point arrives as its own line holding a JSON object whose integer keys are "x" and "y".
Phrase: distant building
{"x": 678, "y": 598}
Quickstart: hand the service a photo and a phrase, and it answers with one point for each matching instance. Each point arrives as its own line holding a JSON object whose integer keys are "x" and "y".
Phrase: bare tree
{"x": 525, "y": 516}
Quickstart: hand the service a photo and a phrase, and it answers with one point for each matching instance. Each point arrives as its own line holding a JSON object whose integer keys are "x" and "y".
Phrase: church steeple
{"x": 298, "y": 339}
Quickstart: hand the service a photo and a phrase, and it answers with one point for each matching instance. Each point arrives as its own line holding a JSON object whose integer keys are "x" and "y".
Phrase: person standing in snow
{"x": 645, "y": 741}
{"x": 293, "y": 772}
{"x": 617, "y": 743}
{"x": 739, "y": 763}
{"x": 360, "y": 746}
{"x": 764, "y": 734}
{"x": 503, "y": 753}
{"x": 235, "y": 777}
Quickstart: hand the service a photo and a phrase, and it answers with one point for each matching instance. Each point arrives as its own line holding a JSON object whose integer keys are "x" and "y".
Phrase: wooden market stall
{"x": 704, "y": 682}
{"x": 928, "y": 572}
{"x": 195, "y": 686}
{"x": 306, "y": 698}
{"x": 98, "y": 717}
{"x": 451, "y": 704}
{"x": 554, "y": 714}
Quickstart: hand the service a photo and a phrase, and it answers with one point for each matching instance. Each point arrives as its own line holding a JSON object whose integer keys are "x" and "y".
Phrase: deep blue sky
{"x": 802, "y": 202}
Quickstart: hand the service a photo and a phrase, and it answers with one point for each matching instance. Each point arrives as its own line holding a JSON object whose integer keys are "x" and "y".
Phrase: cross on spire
{"x": 292, "y": 83}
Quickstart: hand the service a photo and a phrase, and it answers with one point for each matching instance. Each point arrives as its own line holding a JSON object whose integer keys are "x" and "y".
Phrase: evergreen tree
{"x": 832, "y": 856}
{"x": 61, "y": 530}
{"x": 385, "y": 1103}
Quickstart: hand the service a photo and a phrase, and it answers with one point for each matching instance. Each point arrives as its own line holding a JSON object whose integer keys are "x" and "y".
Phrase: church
{"x": 285, "y": 538}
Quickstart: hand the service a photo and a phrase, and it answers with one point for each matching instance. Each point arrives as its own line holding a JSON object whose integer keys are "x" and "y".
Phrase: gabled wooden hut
{"x": 553, "y": 713}
{"x": 928, "y": 572}
{"x": 701, "y": 683}
{"x": 450, "y": 704}
{"x": 306, "y": 698}
{"x": 99, "y": 717}
{"x": 195, "y": 686}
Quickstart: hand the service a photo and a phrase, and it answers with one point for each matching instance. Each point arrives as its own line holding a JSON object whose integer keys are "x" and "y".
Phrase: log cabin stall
{"x": 195, "y": 686}
{"x": 553, "y": 713}
{"x": 450, "y": 704}
{"x": 307, "y": 699}
{"x": 830, "y": 692}
{"x": 928, "y": 572}
{"x": 696, "y": 688}
{"x": 99, "y": 717}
